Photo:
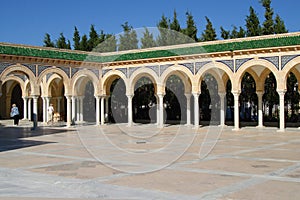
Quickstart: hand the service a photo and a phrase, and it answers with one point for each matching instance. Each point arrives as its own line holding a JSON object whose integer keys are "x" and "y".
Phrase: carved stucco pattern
{"x": 273, "y": 59}
{"x": 228, "y": 63}
{"x": 240, "y": 62}
{"x": 286, "y": 59}
{"x": 199, "y": 65}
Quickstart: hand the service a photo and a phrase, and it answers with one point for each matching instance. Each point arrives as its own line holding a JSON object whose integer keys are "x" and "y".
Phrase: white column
{"x": 77, "y": 109}
{"x": 47, "y": 106}
{"x": 25, "y": 107}
{"x": 222, "y": 108}
{"x": 196, "y": 110}
{"x": 259, "y": 107}
{"x": 81, "y": 109}
{"x": 236, "y": 110}
{"x": 44, "y": 109}
{"x": 97, "y": 110}
{"x": 281, "y": 110}
{"x": 73, "y": 109}
{"x": 35, "y": 111}
{"x": 29, "y": 109}
{"x": 161, "y": 110}
{"x": 129, "y": 97}
{"x": 157, "y": 109}
{"x": 69, "y": 111}
{"x": 102, "y": 110}
{"x": 188, "y": 109}
{"x": 58, "y": 104}
{"x": 106, "y": 104}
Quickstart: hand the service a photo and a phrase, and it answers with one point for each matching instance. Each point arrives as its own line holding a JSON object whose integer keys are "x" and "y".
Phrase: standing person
{"x": 50, "y": 113}
{"x": 14, "y": 113}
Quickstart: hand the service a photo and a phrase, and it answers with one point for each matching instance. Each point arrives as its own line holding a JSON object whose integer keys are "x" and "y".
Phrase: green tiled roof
{"x": 253, "y": 43}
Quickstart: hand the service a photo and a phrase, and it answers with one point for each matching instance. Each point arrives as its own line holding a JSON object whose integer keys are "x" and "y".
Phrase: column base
{"x": 222, "y": 125}
{"x": 236, "y": 129}
{"x": 260, "y": 126}
{"x": 280, "y": 130}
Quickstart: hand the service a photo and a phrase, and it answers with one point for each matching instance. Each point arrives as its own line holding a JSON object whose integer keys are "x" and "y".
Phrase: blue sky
{"x": 26, "y": 22}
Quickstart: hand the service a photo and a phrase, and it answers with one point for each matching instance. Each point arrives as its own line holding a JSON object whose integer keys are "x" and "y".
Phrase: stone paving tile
{"x": 250, "y": 167}
{"x": 81, "y": 170}
{"x": 178, "y": 182}
{"x": 246, "y": 164}
{"x": 274, "y": 190}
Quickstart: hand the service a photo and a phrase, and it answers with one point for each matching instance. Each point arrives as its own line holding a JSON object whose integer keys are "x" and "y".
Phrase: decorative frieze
{"x": 163, "y": 68}
{"x": 4, "y": 65}
{"x": 190, "y": 66}
{"x": 272, "y": 59}
{"x": 228, "y": 63}
{"x": 240, "y": 62}
{"x": 286, "y": 59}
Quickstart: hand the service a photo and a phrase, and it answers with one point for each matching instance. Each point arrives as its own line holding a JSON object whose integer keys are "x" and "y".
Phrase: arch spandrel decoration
{"x": 31, "y": 67}
{"x": 286, "y": 59}
{"x": 124, "y": 71}
{"x": 66, "y": 70}
{"x": 199, "y": 65}
{"x": 189, "y": 66}
{"x": 4, "y": 65}
{"x": 163, "y": 68}
{"x": 131, "y": 70}
{"x": 74, "y": 71}
{"x": 228, "y": 63}
{"x": 155, "y": 68}
{"x": 240, "y": 62}
{"x": 272, "y": 59}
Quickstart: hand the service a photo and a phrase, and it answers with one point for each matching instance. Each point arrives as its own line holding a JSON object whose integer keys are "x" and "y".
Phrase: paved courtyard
{"x": 144, "y": 162}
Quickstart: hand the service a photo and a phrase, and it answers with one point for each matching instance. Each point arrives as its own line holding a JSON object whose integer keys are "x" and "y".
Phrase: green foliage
{"x": 147, "y": 40}
{"x": 93, "y": 40}
{"x": 268, "y": 25}
{"x": 209, "y": 33}
{"x": 76, "y": 39}
{"x": 191, "y": 29}
{"x": 224, "y": 33}
{"x": 163, "y": 27}
{"x": 279, "y": 26}
{"x": 128, "y": 40}
{"x": 61, "y": 42}
{"x": 252, "y": 24}
{"x": 84, "y": 43}
{"x": 47, "y": 41}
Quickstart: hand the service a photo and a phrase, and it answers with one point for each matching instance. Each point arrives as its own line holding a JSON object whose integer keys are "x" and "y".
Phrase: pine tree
{"x": 61, "y": 42}
{"x": 241, "y": 33}
{"x": 224, "y": 33}
{"x": 252, "y": 24}
{"x": 128, "y": 40}
{"x": 279, "y": 26}
{"x": 191, "y": 29}
{"x": 68, "y": 45}
{"x": 109, "y": 44}
{"x": 84, "y": 43}
{"x": 93, "y": 39}
{"x": 268, "y": 25}
{"x": 209, "y": 33}
{"x": 76, "y": 39}
{"x": 175, "y": 26}
{"x": 163, "y": 27}
{"x": 47, "y": 41}
{"x": 147, "y": 40}
{"x": 234, "y": 33}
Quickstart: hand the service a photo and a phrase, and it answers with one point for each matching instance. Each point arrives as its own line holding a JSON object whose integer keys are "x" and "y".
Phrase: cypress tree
{"x": 279, "y": 26}
{"x": 191, "y": 29}
{"x": 209, "y": 33}
{"x": 241, "y": 33}
{"x": 76, "y": 39}
{"x": 268, "y": 25}
{"x": 128, "y": 40}
{"x": 163, "y": 27}
{"x": 61, "y": 42}
{"x": 224, "y": 33}
{"x": 252, "y": 24}
{"x": 93, "y": 39}
{"x": 47, "y": 41}
{"x": 84, "y": 43}
{"x": 147, "y": 40}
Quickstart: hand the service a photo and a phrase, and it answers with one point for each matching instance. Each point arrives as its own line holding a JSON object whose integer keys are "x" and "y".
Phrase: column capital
{"x": 281, "y": 92}
{"x": 35, "y": 96}
{"x": 196, "y": 94}
{"x": 187, "y": 95}
{"x": 160, "y": 95}
{"x": 222, "y": 94}
{"x": 236, "y": 93}
{"x": 129, "y": 96}
{"x": 25, "y": 97}
{"x": 260, "y": 93}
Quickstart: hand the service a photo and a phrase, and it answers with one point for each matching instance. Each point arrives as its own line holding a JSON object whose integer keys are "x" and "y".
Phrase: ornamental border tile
{"x": 199, "y": 65}
{"x": 286, "y": 59}
{"x": 124, "y": 71}
{"x": 189, "y": 66}
{"x": 163, "y": 68}
{"x": 272, "y": 59}
{"x": 228, "y": 63}
{"x": 240, "y": 62}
